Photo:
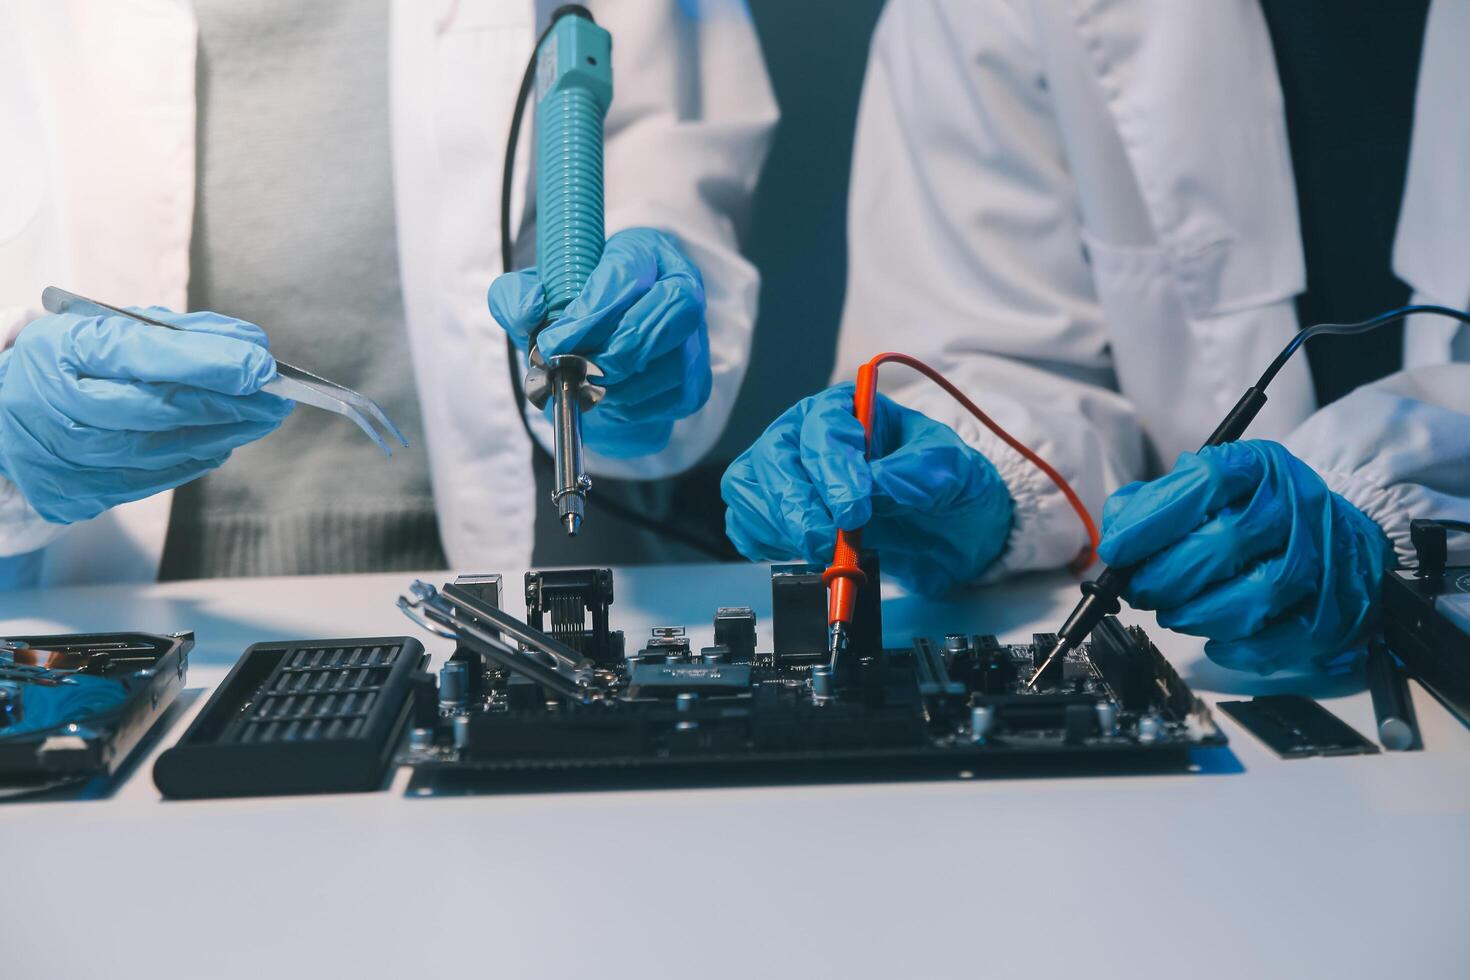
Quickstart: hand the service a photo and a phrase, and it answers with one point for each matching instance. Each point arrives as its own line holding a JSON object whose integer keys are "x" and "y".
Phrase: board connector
{"x": 1034, "y": 712}
{"x": 576, "y": 601}
{"x": 943, "y": 696}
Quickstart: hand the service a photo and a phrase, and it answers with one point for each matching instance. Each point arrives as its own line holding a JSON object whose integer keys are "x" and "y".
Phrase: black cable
{"x": 1344, "y": 329}
{"x": 1100, "y": 597}
{"x": 1452, "y": 525}
{"x": 719, "y": 551}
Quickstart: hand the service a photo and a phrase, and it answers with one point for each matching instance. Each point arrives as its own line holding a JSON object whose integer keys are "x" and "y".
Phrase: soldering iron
{"x": 572, "y": 73}
{"x": 1100, "y": 597}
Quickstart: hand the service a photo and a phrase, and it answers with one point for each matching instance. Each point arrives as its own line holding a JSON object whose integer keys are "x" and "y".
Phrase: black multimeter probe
{"x": 1100, "y": 597}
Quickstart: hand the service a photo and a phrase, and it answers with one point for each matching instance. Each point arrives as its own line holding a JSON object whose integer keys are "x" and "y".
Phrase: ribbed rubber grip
{"x": 569, "y": 235}
{"x": 844, "y": 576}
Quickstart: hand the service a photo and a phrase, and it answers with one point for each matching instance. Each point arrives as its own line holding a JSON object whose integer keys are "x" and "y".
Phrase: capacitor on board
{"x": 454, "y": 683}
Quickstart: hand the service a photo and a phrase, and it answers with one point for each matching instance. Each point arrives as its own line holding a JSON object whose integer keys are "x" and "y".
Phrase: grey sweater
{"x": 294, "y": 230}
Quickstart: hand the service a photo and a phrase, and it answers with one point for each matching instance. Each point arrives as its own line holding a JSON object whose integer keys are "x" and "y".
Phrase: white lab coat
{"x": 97, "y": 139}
{"x": 1083, "y": 212}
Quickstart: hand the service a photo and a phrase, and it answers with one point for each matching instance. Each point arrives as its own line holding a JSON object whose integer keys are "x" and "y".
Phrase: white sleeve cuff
{"x": 12, "y": 320}
{"x": 1387, "y": 506}
{"x": 1396, "y": 449}
{"x": 22, "y": 530}
{"x": 1045, "y": 530}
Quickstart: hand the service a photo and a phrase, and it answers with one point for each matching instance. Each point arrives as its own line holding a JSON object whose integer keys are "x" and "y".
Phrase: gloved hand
{"x": 935, "y": 510}
{"x": 1244, "y": 544}
{"x": 640, "y": 319}
{"x": 98, "y": 411}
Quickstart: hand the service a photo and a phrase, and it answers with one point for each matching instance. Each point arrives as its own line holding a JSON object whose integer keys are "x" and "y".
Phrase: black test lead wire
{"x": 1100, "y": 597}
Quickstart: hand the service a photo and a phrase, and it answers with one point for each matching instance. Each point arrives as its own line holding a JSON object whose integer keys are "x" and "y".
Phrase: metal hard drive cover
{"x": 97, "y": 695}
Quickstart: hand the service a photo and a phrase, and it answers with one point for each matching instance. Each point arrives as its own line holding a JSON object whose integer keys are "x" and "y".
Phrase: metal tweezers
{"x": 289, "y": 382}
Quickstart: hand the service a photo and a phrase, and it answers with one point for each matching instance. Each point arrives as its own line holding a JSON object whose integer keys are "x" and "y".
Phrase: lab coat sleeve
{"x": 965, "y": 250}
{"x": 1397, "y": 449}
{"x": 23, "y": 532}
{"x": 687, "y": 133}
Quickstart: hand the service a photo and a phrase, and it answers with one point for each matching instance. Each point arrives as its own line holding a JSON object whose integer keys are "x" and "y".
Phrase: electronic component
{"x": 798, "y": 613}
{"x": 822, "y": 683}
{"x": 1126, "y": 670}
{"x": 941, "y": 694}
{"x": 937, "y": 707}
{"x": 73, "y": 707}
{"x": 669, "y": 680}
{"x": 485, "y": 589}
{"x": 576, "y": 602}
{"x": 1042, "y": 643}
{"x": 305, "y": 716}
{"x": 454, "y": 683}
{"x": 980, "y": 663}
{"x": 666, "y": 644}
{"x": 1023, "y": 714}
{"x": 735, "y": 631}
{"x": 1426, "y": 618}
{"x": 1296, "y": 727}
{"x": 982, "y": 717}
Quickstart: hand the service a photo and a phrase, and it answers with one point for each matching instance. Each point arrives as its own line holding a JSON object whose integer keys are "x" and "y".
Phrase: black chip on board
{"x": 668, "y": 680}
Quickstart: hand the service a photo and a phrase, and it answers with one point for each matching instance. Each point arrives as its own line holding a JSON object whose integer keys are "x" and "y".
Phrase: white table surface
{"x": 1349, "y": 867}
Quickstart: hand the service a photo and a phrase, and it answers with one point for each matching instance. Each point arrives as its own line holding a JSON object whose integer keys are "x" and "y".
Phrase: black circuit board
{"x": 948, "y": 704}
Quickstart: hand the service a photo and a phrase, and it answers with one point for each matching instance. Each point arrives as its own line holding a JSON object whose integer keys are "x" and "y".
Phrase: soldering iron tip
{"x": 572, "y": 522}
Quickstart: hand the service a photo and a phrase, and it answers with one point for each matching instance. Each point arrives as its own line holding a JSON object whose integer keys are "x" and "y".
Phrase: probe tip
{"x": 836, "y": 641}
{"x": 1058, "y": 649}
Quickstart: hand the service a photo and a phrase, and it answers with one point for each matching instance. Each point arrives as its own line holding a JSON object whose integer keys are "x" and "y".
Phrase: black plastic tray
{"x": 302, "y": 716}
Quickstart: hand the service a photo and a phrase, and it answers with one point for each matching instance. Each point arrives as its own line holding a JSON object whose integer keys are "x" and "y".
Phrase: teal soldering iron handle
{"x": 573, "y": 91}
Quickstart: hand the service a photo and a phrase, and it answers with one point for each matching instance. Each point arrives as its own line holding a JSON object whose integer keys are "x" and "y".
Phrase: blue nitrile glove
{"x": 1244, "y": 544}
{"x": 98, "y": 411}
{"x": 640, "y": 319}
{"x": 934, "y": 509}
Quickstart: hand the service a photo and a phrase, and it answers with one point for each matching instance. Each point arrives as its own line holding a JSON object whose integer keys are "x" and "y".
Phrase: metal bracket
{"x": 459, "y": 615}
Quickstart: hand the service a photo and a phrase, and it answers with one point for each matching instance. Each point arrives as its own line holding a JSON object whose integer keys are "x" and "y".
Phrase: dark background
{"x": 815, "y": 54}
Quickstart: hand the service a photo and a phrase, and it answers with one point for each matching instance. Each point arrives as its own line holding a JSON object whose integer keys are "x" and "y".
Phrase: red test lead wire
{"x": 843, "y": 576}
